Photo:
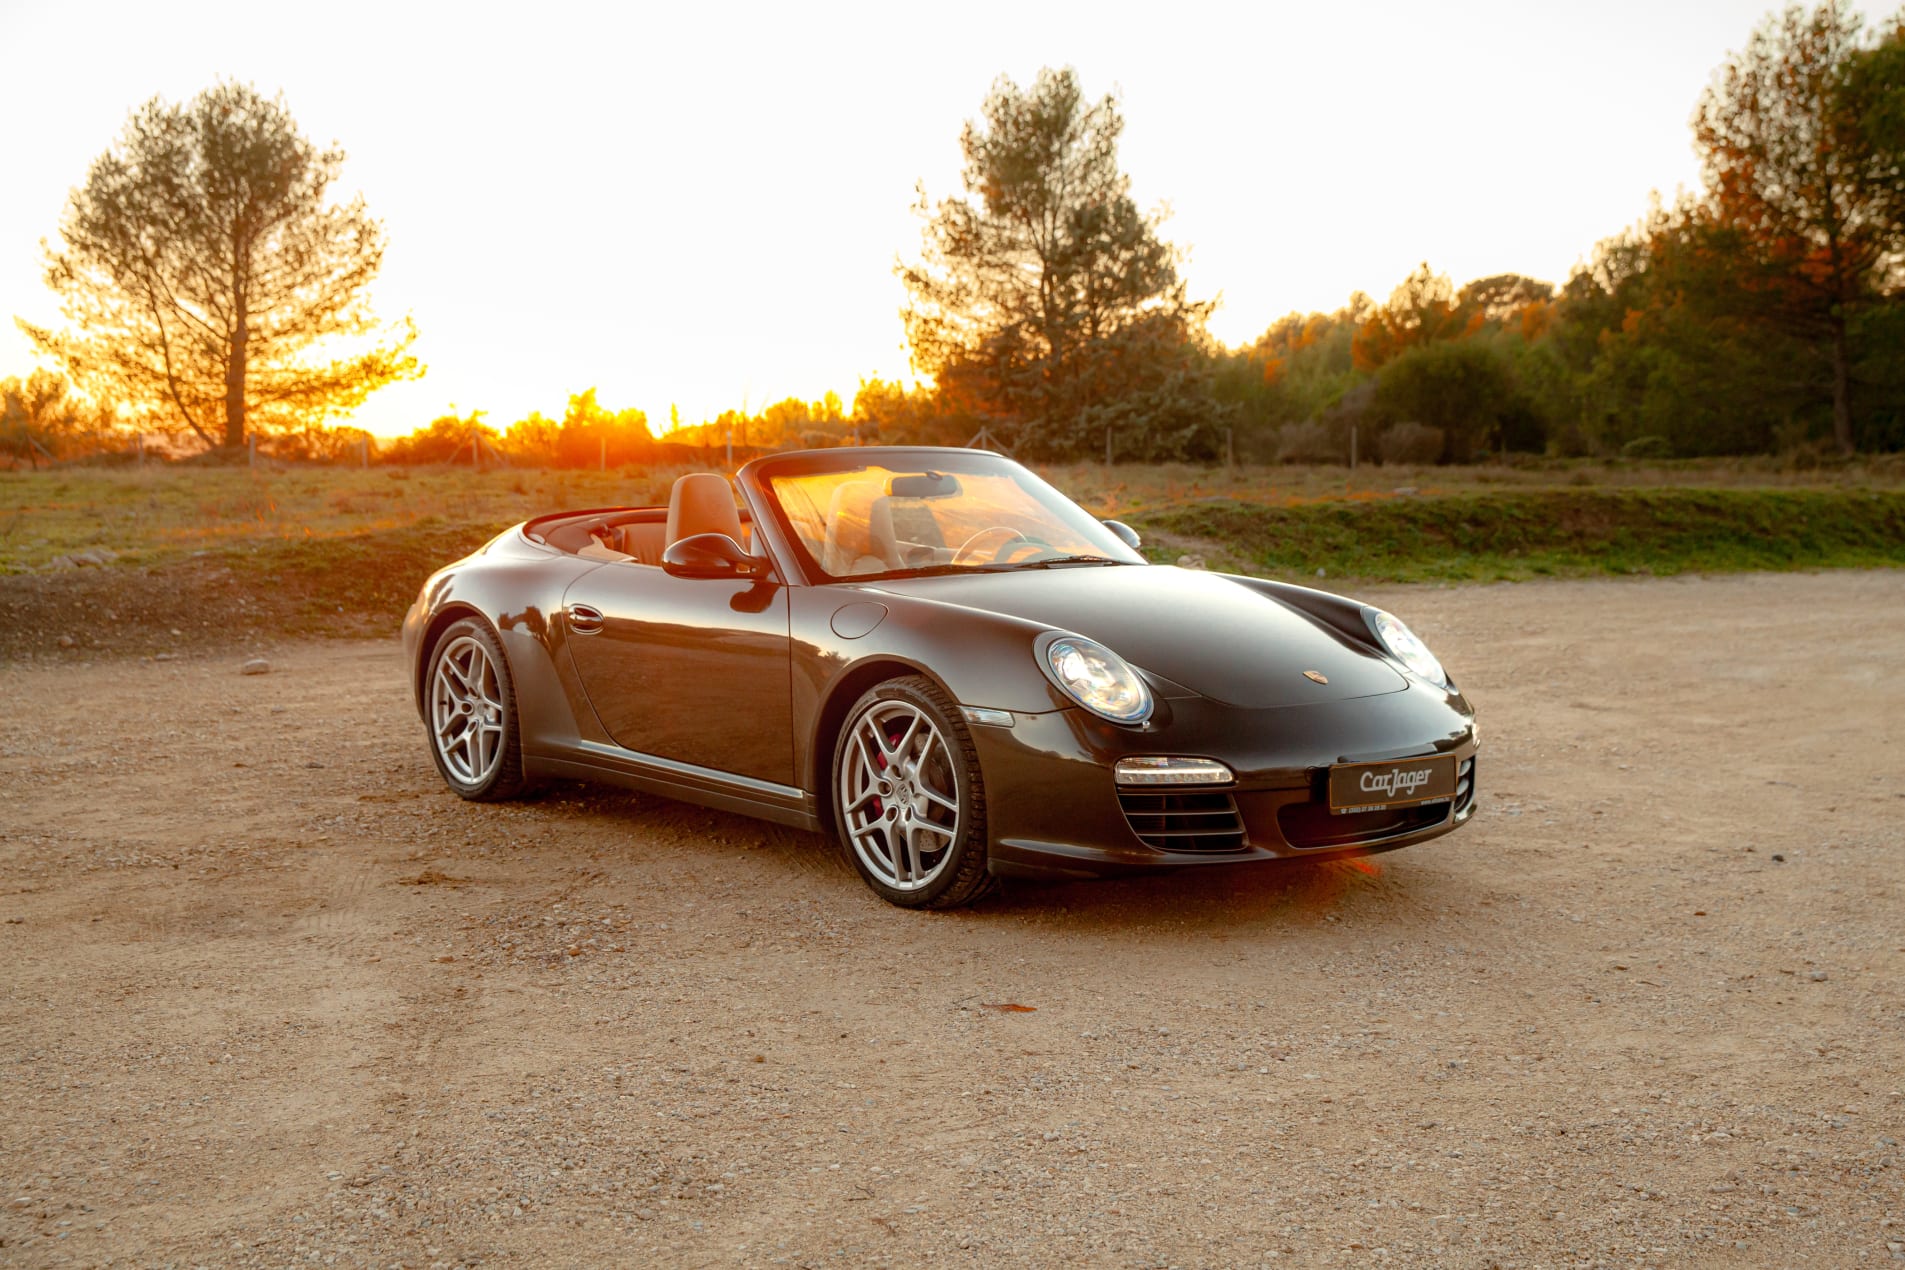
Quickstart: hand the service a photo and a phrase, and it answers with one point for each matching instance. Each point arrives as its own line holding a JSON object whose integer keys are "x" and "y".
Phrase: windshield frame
{"x": 755, "y": 481}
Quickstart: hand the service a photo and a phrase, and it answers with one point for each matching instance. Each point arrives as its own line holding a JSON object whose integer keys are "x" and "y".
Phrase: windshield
{"x": 952, "y": 513}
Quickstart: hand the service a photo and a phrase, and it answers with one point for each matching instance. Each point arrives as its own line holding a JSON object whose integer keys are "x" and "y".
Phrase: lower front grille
{"x": 1312, "y": 825}
{"x": 1204, "y": 822}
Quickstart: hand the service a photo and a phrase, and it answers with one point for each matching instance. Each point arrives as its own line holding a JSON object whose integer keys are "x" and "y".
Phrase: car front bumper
{"x": 1055, "y": 810}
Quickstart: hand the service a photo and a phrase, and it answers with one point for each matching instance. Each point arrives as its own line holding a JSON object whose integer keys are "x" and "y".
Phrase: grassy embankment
{"x": 309, "y": 543}
{"x": 1565, "y": 533}
{"x": 323, "y": 542}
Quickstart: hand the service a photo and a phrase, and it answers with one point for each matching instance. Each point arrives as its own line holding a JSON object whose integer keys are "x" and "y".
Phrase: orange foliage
{"x": 1534, "y": 319}
{"x": 1422, "y": 309}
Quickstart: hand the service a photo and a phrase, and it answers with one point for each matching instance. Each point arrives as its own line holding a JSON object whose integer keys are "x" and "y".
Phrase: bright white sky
{"x": 703, "y": 204}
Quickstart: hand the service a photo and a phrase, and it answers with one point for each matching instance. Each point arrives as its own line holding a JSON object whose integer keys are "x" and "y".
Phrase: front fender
{"x": 846, "y": 638}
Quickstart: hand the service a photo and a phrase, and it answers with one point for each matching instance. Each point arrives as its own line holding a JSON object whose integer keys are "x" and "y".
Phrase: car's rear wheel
{"x": 908, "y": 799}
{"x": 470, "y": 711}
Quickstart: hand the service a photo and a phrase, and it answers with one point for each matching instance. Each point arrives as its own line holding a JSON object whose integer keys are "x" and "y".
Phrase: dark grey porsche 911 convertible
{"x": 945, "y": 662}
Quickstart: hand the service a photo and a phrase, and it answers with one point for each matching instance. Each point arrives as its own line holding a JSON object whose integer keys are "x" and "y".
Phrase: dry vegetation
{"x": 153, "y": 514}
{"x": 158, "y": 513}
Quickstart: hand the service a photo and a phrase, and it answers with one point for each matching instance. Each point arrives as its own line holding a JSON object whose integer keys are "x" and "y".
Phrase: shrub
{"x": 1309, "y": 442}
{"x": 1463, "y": 388}
{"x": 1410, "y": 442}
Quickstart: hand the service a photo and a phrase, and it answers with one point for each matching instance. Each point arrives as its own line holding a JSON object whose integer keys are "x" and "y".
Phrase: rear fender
{"x": 519, "y": 594}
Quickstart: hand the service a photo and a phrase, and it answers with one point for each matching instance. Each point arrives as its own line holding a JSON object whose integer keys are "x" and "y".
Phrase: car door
{"x": 690, "y": 669}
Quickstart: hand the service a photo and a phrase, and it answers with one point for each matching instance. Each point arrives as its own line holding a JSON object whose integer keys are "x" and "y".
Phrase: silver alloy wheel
{"x": 466, "y": 712}
{"x": 898, "y": 796}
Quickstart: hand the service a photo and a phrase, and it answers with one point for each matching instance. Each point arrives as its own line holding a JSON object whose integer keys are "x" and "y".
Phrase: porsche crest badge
{"x": 1316, "y": 676}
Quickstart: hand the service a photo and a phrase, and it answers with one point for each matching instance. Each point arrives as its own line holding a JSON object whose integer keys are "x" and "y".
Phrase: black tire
{"x": 912, "y": 820}
{"x": 467, "y": 682}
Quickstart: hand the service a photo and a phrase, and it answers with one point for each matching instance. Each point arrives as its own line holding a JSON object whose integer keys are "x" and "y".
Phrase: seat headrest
{"x": 702, "y": 503}
{"x": 850, "y": 525}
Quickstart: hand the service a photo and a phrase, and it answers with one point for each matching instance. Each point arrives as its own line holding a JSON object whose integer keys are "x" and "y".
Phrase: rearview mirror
{"x": 1126, "y": 534}
{"x": 711, "y": 556}
{"x": 924, "y": 485}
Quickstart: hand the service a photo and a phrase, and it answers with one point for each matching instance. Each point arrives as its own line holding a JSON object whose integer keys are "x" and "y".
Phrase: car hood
{"x": 1200, "y": 630}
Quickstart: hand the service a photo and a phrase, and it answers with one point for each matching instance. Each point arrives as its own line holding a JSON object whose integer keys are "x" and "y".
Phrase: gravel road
{"x": 273, "y": 996}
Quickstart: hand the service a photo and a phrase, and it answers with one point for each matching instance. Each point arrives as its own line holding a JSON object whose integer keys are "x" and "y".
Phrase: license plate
{"x": 1404, "y": 783}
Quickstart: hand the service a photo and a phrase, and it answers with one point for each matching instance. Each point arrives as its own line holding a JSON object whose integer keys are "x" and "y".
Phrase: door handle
{"x": 584, "y": 620}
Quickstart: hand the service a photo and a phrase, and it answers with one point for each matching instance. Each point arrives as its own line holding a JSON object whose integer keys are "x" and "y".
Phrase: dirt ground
{"x": 273, "y": 996}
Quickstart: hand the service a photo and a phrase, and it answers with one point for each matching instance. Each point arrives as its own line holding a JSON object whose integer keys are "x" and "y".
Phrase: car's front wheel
{"x": 470, "y": 710}
{"x": 908, "y": 799}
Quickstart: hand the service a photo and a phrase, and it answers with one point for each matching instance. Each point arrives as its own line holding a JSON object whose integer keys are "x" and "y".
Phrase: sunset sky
{"x": 702, "y": 204}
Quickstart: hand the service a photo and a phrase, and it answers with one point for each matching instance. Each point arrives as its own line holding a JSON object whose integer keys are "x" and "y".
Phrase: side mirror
{"x": 1126, "y": 534}
{"x": 711, "y": 556}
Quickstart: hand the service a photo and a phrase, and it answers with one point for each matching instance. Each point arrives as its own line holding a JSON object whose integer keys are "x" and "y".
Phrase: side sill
{"x": 764, "y": 800}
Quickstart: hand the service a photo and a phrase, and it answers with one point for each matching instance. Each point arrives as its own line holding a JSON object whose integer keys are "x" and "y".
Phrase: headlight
{"x": 1404, "y": 645}
{"x": 1098, "y": 679}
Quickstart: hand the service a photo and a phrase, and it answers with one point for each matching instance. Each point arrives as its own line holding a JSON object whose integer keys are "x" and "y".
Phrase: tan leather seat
{"x": 644, "y": 541}
{"x": 596, "y": 549}
{"x": 859, "y": 531}
{"x": 702, "y": 503}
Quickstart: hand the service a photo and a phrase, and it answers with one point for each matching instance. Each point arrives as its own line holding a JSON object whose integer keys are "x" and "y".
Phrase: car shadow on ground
{"x": 1367, "y": 890}
{"x": 1214, "y": 898}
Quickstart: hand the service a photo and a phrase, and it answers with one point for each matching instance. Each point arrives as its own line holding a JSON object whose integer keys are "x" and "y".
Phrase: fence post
{"x": 139, "y": 444}
{"x": 603, "y": 459}
{"x": 251, "y": 449}
{"x": 730, "y": 442}
{"x": 1230, "y": 447}
{"x": 1352, "y": 447}
{"x": 1107, "y": 445}
{"x": 363, "y": 446}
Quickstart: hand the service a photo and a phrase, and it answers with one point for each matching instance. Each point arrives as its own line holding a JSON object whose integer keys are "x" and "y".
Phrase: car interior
{"x": 699, "y": 503}
{"x": 854, "y": 524}
{"x": 876, "y": 520}
{"x": 860, "y": 534}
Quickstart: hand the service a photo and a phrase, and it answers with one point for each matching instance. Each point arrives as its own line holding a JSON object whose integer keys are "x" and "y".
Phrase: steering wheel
{"x": 987, "y": 543}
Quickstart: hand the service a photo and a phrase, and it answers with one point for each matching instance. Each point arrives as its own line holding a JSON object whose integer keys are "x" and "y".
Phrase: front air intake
{"x": 1201, "y": 822}
{"x": 1312, "y": 824}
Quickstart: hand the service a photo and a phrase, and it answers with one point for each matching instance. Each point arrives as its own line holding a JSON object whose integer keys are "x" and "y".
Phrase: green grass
{"x": 1518, "y": 535}
{"x": 1132, "y": 490}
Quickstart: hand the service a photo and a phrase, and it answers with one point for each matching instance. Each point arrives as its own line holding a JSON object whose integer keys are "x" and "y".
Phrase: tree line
{"x": 201, "y": 265}
{"x": 1764, "y": 313}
